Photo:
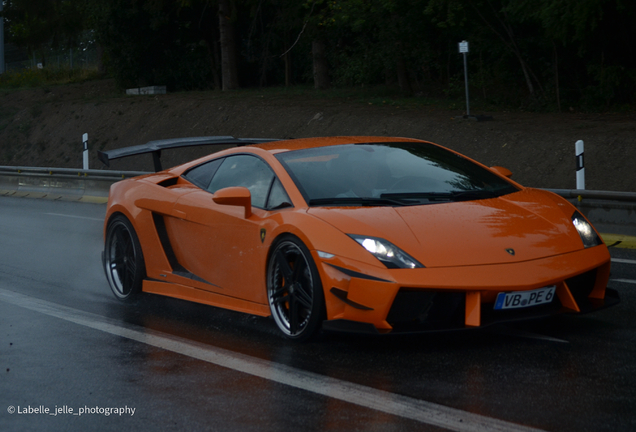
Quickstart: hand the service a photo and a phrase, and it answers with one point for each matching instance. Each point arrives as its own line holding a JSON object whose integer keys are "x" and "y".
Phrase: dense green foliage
{"x": 541, "y": 54}
{"x": 37, "y": 23}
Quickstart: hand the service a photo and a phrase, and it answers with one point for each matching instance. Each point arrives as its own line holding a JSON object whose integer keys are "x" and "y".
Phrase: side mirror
{"x": 235, "y": 196}
{"x": 503, "y": 171}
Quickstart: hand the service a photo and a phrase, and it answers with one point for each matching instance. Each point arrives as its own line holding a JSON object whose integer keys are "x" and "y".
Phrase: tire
{"x": 123, "y": 260}
{"x": 294, "y": 290}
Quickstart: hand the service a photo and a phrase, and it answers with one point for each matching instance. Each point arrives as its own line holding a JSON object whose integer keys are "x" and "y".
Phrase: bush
{"x": 42, "y": 77}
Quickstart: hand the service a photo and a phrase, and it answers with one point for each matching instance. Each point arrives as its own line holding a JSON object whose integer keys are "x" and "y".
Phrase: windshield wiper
{"x": 473, "y": 195}
{"x": 401, "y": 199}
{"x": 441, "y": 196}
{"x": 418, "y": 197}
{"x": 357, "y": 201}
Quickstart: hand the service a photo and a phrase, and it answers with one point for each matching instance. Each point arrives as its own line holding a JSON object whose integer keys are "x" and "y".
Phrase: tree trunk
{"x": 556, "y": 76}
{"x": 101, "y": 68}
{"x": 229, "y": 63}
{"x": 288, "y": 69}
{"x": 403, "y": 77}
{"x": 213, "y": 56}
{"x": 321, "y": 68}
{"x": 510, "y": 42}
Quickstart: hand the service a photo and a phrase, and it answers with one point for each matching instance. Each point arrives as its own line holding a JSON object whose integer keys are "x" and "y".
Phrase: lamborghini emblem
{"x": 511, "y": 251}
{"x": 263, "y": 231}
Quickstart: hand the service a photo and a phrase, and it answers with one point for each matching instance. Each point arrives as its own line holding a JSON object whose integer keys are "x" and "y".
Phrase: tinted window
{"x": 202, "y": 175}
{"x": 278, "y": 197}
{"x": 387, "y": 171}
{"x": 246, "y": 171}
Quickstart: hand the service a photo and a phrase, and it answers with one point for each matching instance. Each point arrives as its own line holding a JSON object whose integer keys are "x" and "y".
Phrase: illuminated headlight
{"x": 389, "y": 254}
{"x": 587, "y": 233}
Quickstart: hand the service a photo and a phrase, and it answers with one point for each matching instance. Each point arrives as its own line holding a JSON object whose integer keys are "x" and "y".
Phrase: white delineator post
{"x": 85, "y": 154}
{"x": 580, "y": 165}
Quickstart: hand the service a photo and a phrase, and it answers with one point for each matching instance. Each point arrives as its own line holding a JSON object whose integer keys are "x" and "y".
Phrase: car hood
{"x": 522, "y": 226}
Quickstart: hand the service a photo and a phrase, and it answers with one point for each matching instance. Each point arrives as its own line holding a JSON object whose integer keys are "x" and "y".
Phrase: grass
{"x": 386, "y": 96}
{"x": 378, "y": 96}
{"x": 33, "y": 78}
{"x": 452, "y": 99}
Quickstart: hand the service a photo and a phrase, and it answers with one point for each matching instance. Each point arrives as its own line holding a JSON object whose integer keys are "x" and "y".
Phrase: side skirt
{"x": 205, "y": 297}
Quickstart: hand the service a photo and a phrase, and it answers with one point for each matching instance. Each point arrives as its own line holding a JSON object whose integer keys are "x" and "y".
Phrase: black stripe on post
{"x": 580, "y": 164}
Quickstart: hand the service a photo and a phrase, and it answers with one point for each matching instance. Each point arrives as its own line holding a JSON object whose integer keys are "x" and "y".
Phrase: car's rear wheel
{"x": 294, "y": 290}
{"x": 123, "y": 259}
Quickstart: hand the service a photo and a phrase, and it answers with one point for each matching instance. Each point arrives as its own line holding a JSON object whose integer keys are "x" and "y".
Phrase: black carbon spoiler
{"x": 155, "y": 147}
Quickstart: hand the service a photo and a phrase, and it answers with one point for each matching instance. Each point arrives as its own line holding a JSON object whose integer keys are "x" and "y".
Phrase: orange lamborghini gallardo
{"x": 355, "y": 234}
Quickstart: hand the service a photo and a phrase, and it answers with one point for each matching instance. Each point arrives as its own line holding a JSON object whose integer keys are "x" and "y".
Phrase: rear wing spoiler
{"x": 155, "y": 147}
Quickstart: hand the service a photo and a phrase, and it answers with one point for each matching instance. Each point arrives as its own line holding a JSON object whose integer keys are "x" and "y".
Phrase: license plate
{"x": 523, "y": 299}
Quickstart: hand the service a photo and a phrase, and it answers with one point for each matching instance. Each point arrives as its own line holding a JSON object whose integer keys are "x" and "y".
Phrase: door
{"x": 215, "y": 242}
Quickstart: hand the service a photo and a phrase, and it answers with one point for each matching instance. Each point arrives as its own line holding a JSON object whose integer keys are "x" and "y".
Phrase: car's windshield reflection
{"x": 391, "y": 174}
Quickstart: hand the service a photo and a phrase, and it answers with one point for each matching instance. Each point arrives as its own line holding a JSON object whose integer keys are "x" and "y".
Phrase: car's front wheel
{"x": 294, "y": 290}
{"x": 123, "y": 259}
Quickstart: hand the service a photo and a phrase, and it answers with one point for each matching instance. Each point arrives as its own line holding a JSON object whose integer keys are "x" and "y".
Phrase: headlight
{"x": 587, "y": 233}
{"x": 389, "y": 254}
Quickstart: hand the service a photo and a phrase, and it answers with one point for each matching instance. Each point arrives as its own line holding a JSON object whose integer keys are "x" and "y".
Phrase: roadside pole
{"x": 85, "y": 153}
{"x": 463, "y": 49}
{"x": 580, "y": 164}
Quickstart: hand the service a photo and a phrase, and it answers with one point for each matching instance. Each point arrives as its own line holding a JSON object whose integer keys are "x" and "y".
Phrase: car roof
{"x": 305, "y": 143}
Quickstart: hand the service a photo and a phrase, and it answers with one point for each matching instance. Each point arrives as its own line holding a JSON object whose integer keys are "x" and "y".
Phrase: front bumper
{"x": 374, "y": 300}
{"x": 455, "y": 315}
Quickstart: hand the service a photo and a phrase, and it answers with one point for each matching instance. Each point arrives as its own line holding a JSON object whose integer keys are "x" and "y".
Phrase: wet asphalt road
{"x": 67, "y": 344}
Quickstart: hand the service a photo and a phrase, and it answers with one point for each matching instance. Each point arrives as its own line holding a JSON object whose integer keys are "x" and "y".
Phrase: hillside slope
{"x": 43, "y": 127}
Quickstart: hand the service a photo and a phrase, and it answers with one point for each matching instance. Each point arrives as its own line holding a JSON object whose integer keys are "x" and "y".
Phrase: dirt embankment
{"x": 44, "y": 127}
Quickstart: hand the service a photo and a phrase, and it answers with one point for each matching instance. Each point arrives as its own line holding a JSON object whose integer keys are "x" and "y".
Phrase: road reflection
{"x": 482, "y": 371}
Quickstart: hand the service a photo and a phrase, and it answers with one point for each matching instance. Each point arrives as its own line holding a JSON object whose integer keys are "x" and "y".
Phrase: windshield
{"x": 402, "y": 173}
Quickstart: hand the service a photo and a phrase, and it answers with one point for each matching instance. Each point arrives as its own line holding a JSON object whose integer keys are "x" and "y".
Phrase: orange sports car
{"x": 356, "y": 234}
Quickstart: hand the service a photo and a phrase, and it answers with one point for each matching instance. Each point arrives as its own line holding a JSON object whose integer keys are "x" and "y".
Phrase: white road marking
{"x": 402, "y": 406}
{"x": 73, "y": 216}
{"x": 623, "y": 261}
{"x": 629, "y": 281}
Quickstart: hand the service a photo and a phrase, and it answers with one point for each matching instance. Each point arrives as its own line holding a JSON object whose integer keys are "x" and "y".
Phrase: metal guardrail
{"x": 73, "y": 172}
{"x": 60, "y": 183}
{"x": 607, "y": 208}
{"x": 592, "y": 194}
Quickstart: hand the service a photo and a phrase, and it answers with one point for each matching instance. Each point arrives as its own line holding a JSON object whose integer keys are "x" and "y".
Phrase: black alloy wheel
{"x": 123, "y": 259}
{"x": 294, "y": 290}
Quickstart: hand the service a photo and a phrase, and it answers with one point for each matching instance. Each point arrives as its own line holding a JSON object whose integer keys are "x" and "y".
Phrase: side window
{"x": 246, "y": 171}
{"x": 278, "y": 197}
{"x": 201, "y": 175}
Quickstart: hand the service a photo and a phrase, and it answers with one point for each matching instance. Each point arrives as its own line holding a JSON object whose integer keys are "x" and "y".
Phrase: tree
{"x": 378, "y": 39}
{"x": 229, "y": 64}
{"x": 154, "y": 42}
{"x": 38, "y": 24}
{"x": 530, "y": 52}
{"x": 594, "y": 35}
{"x": 495, "y": 17}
